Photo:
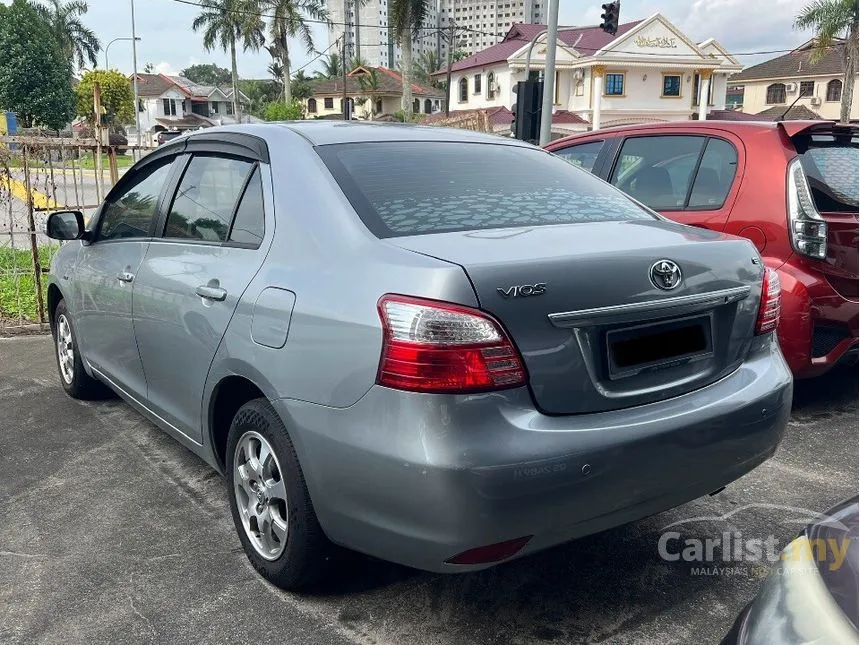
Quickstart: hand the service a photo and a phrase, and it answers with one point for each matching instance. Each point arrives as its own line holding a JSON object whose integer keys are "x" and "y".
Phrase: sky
{"x": 168, "y": 42}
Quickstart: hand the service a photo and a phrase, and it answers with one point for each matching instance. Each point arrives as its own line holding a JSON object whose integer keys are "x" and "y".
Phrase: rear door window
{"x": 583, "y": 155}
{"x": 408, "y": 188}
{"x": 715, "y": 176}
{"x": 830, "y": 164}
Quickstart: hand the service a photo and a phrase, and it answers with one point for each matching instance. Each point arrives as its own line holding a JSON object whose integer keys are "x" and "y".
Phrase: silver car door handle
{"x": 125, "y": 276}
{"x": 211, "y": 293}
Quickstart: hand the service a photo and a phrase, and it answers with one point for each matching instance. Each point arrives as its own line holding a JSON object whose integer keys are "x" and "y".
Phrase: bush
{"x": 280, "y": 111}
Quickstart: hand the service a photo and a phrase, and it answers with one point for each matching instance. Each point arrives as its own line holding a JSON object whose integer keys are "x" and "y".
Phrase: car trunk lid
{"x": 595, "y": 331}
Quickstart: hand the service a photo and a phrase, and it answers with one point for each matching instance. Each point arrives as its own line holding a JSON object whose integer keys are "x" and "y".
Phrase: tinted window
{"x": 831, "y": 168}
{"x": 584, "y": 155}
{"x": 206, "y": 198}
{"x": 406, "y": 188}
{"x": 658, "y": 170}
{"x": 715, "y": 176}
{"x": 130, "y": 213}
{"x": 249, "y": 223}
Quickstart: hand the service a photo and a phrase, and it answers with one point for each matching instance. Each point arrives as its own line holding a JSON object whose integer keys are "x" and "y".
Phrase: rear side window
{"x": 206, "y": 198}
{"x": 583, "y": 155}
{"x": 408, "y": 188}
{"x": 831, "y": 168}
{"x": 249, "y": 224}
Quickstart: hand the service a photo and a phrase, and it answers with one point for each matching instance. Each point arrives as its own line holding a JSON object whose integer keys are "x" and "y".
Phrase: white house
{"x": 648, "y": 72}
{"x": 176, "y": 103}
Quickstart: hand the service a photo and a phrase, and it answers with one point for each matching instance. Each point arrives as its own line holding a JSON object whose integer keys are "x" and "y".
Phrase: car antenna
{"x": 781, "y": 117}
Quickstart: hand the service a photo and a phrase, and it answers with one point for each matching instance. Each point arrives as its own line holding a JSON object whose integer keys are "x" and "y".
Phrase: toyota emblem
{"x": 665, "y": 275}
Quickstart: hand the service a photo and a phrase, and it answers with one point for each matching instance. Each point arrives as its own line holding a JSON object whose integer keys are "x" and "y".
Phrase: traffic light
{"x": 610, "y": 17}
{"x": 527, "y": 109}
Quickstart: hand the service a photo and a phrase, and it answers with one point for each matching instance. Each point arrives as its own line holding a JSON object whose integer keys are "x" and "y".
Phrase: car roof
{"x": 327, "y": 132}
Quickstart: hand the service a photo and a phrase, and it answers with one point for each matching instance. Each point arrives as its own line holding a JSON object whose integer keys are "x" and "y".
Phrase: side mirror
{"x": 65, "y": 225}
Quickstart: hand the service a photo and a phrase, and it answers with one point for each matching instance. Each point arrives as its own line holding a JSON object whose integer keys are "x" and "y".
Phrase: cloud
{"x": 165, "y": 68}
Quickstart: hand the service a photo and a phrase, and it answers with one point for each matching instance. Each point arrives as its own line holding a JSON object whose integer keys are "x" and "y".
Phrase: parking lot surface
{"x": 111, "y": 532}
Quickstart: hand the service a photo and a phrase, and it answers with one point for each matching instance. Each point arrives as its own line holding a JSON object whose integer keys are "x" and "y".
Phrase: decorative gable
{"x": 654, "y": 38}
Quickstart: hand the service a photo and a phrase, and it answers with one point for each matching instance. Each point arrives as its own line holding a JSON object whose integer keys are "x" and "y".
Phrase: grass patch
{"x": 87, "y": 161}
{"x": 18, "y": 285}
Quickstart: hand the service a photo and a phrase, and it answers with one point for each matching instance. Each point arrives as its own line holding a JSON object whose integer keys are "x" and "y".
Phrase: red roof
{"x": 561, "y": 117}
{"x": 586, "y": 40}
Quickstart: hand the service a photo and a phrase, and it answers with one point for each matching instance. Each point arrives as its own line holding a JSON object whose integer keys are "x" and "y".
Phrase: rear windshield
{"x": 411, "y": 188}
{"x": 830, "y": 164}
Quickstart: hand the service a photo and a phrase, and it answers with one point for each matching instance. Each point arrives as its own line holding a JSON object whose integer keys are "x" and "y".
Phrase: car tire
{"x": 73, "y": 377}
{"x": 269, "y": 500}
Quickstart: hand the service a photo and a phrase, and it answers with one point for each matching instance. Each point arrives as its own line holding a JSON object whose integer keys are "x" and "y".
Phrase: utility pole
{"x": 549, "y": 73}
{"x": 357, "y": 4}
{"x": 343, "y": 72}
{"x": 134, "y": 77}
{"x": 448, "y": 73}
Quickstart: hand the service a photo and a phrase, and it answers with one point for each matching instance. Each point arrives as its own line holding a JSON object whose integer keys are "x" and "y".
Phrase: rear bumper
{"x": 417, "y": 479}
{"x": 818, "y": 326}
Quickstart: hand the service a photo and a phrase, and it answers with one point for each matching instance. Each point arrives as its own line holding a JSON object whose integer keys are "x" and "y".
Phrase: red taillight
{"x": 768, "y": 311}
{"x": 490, "y": 553}
{"x": 431, "y": 346}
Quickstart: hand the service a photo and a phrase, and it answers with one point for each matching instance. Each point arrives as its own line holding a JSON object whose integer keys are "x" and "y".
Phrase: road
{"x": 112, "y": 532}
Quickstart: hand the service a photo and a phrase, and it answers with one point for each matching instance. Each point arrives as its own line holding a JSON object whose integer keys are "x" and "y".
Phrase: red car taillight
{"x": 431, "y": 346}
{"x": 768, "y": 310}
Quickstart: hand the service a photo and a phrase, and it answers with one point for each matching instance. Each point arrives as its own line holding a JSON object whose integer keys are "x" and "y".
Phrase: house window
{"x": 775, "y": 93}
{"x": 140, "y": 106}
{"x": 579, "y": 90}
{"x": 312, "y": 106}
{"x": 834, "y": 90}
{"x": 428, "y": 106}
{"x": 477, "y": 83}
{"x": 416, "y": 106}
{"x": 230, "y": 109}
{"x": 328, "y": 103}
{"x": 491, "y": 85}
{"x": 614, "y": 85}
{"x": 807, "y": 88}
{"x": 379, "y": 106}
{"x": 214, "y": 107}
{"x": 672, "y": 85}
{"x": 169, "y": 107}
{"x": 463, "y": 86}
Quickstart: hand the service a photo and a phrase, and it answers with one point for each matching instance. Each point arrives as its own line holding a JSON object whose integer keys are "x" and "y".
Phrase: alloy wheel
{"x": 65, "y": 349}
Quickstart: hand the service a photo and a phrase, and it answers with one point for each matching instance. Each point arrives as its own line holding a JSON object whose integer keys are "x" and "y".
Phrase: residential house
{"x": 176, "y": 103}
{"x": 795, "y": 79}
{"x": 649, "y": 71}
{"x": 327, "y": 98}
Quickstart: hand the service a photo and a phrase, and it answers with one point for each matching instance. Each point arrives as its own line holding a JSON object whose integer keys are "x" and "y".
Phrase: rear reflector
{"x": 432, "y": 346}
{"x": 768, "y": 311}
{"x": 490, "y": 553}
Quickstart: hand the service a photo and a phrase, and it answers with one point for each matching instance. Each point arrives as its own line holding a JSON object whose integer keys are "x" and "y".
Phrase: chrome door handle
{"x": 125, "y": 276}
{"x": 211, "y": 293}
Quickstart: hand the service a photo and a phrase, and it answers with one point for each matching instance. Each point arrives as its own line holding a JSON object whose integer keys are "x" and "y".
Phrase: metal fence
{"x": 39, "y": 175}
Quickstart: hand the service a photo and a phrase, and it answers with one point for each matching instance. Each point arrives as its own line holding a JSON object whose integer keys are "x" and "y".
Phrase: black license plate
{"x": 633, "y": 350}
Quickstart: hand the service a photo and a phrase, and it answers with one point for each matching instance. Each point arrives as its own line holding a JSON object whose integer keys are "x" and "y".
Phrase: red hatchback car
{"x": 791, "y": 187}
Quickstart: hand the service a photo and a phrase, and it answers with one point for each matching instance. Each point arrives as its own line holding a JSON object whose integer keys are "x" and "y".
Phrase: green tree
{"x": 208, "y": 74}
{"x": 35, "y": 75}
{"x": 331, "y": 67}
{"x": 226, "y": 23}
{"x": 288, "y": 21}
{"x": 832, "y": 19}
{"x": 282, "y": 111}
{"x": 260, "y": 93}
{"x": 149, "y": 68}
{"x": 301, "y": 86}
{"x": 458, "y": 55}
{"x": 424, "y": 66}
{"x": 117, "y": 95}
{"x": 369, "y": 84}
{"x": 406, "y": 17}
{"x": 78, "y": 43}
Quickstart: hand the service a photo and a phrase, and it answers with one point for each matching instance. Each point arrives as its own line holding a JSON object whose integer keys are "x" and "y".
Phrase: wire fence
{"x": 40, "y": 175}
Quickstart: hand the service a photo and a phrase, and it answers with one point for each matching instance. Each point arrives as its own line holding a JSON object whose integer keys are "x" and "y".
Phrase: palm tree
{"x": 226, "y": 23}
{"x": 331, "y": 67}
{"x": 369, "y": 84}
{"x": 832, "y": 19}
{"x": 288, "y": 22}
{"x": 406, "y": 18}
{"x": 426, "y": 64}
{"x": 78, "y": 43}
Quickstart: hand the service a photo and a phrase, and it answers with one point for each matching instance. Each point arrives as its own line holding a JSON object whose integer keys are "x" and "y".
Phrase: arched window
{"x": 775, "y": 93}
{"x": 379, "y": 106}
{"x": 491, "y": 86}
{"x": 834, "y": 90}
{"x": 416, "y": 106}
{"x": 312, "y": 106}
{"x": 428, "y": 106}
{"x": 463, "y": 86}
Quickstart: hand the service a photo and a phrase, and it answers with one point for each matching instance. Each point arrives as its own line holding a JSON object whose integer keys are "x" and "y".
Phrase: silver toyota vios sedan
{"x": 437, "y": 347}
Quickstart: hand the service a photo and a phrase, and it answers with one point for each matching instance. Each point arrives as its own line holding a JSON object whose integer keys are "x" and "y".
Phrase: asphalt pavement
{"x": 111, "y": 532}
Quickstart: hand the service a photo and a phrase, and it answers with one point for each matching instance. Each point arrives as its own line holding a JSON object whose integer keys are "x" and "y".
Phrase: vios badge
{"x": 665, "y": 275}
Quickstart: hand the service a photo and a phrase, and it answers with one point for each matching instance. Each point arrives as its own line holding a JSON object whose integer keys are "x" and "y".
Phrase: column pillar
{"x": 704, "y": 92}
{"x": 597, "y": 73}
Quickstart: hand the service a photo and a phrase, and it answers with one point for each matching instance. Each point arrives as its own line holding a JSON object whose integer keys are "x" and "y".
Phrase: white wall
{"x": 755, "y": 97}
{"x": 503, "y": 97}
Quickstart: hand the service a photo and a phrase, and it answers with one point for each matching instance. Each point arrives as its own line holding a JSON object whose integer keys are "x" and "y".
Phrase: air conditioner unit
{"x": 791, "y": 88}
{"x": 815, "y": 100}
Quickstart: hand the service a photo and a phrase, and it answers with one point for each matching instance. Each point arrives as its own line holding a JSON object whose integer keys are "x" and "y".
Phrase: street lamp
{"x": 111, "y": 43}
